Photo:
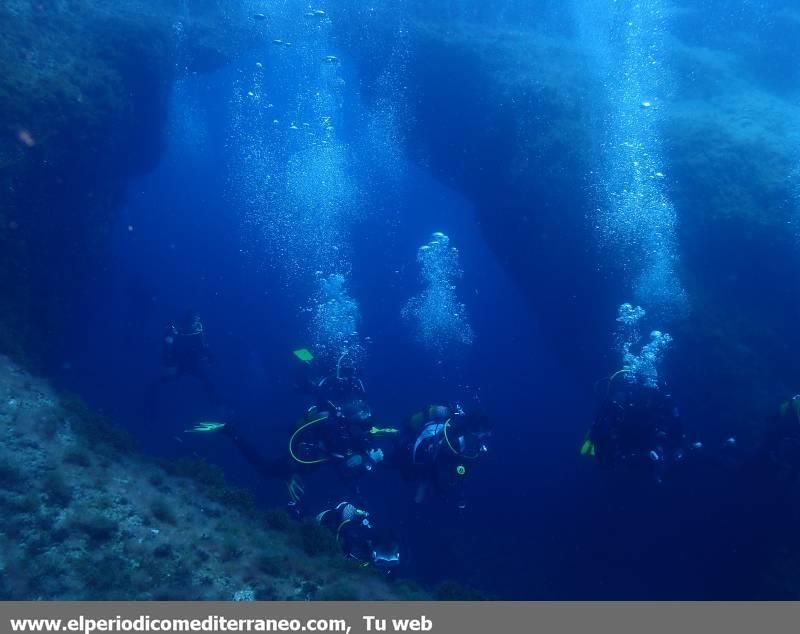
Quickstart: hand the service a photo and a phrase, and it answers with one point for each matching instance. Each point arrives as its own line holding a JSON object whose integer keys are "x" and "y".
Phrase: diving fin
{"x": 376, "y": 431}
{"x": 208, "y": 426}
{"x": 304, "y": 354}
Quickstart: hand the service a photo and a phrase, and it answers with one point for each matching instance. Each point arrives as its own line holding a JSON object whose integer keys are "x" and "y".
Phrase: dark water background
{"x": 540, "y": 523}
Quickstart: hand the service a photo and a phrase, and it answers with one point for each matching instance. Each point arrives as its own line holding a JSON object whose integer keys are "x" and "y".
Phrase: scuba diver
{"x": 781, "y": 442}
{"x": 358, "y": 538}
{"x": 185, "y": 353}
{"x": 329, "y": 389}
{"x": 637, "y": 428}
{"x": 343, "y": 437}
{"x": 440, "y": 445}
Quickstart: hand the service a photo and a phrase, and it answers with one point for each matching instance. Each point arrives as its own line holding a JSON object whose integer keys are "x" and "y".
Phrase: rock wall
{"x": 87, "y": 518}
{"x": 504, "y": 115}
{"x": 84, "y": 88}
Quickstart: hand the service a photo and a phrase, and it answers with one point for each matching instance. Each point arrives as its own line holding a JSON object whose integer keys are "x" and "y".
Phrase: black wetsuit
{"x": 184, "y": 354}
{"x": 358, "y": 539}
{"x": 319, "y": 438}
{"x": 352, "y": 529}
{"x": 637, "y": 428}
{"x": 438, "y": 453}
{"x": 279, "y": 468}
{"x": 781, "y": 444}
{"x": 331, "y": 391}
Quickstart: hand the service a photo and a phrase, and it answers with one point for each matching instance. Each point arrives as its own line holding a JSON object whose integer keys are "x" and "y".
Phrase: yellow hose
{"x": 449, "y": 444}
{"x": 624, "y": 370}
{"x": 617, "y": 373}
{"x": 297, "y": 431}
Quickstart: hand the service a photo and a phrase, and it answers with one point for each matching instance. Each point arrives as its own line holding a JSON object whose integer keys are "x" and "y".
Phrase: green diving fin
{"x": 304, "y": 354}
{"x": 205, "y": 427}
{"x": 587, "y": 449}
{"x": 375, "y": 431}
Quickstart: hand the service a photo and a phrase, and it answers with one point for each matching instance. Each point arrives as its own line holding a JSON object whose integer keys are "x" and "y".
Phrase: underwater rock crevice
{"x": 519, "y": 106}
{"x": 84, "y": 90}
{"x": 514, "y": 110}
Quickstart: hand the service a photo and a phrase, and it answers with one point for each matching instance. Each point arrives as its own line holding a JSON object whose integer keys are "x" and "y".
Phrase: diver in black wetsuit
{"x": 330, "y": 389}
{"x": 638, "y": 429}
{"x": 340, "y": 437}
{"x": 780, "y": 448}
{"x": 358, "y": 538}
{"x": 438, "y": 450}
{"x": 185, "y": 353}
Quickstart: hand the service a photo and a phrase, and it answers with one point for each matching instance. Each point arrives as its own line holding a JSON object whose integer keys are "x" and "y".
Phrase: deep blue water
{"x": 539, "y": 523}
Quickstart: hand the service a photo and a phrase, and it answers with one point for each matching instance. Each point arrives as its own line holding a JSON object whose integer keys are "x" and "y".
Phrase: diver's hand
{"x": 296, "y": 489}
{"x": 354, "y": 462}
{"x": 376, "y": 455}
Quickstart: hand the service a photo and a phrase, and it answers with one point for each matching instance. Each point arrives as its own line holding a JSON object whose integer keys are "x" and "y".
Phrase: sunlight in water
{"x": 636, "y": 217}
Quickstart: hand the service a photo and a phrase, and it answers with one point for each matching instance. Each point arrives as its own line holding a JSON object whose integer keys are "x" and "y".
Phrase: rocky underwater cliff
{"x": 505, "y": 113}
{"x": 83, "y": 101}
{"x": 500, "y": 112}
{"x": 85, "y": 517}
{"x": 84, "y": 88}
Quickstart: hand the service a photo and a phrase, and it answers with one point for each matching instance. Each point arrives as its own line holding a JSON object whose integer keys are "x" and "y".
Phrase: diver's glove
{"x": 354, "y": 462}
{"x": 296, "y": 489}
{"x": 376, "y": 455}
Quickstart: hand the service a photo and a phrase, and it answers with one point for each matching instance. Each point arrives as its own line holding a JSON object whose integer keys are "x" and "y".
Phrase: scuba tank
{"x": 431, "y": 414}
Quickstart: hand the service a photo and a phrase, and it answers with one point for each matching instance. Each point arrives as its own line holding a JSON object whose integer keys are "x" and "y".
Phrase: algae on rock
{"x": 76, "y": 529}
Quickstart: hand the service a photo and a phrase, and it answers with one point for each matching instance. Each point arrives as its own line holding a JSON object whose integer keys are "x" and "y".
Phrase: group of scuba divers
{"x": 434, "y": 450}
{"x": 637, "y": 431}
